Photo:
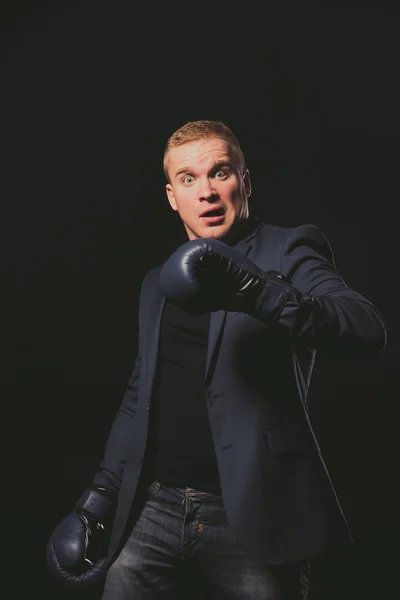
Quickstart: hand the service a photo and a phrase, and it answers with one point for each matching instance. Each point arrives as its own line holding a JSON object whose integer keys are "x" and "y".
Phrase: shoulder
{"x": 307, "y": 235}
{"x": 293, "y": 243}
{"x": 304, "y": 234}
{"x": 303, "y": 230}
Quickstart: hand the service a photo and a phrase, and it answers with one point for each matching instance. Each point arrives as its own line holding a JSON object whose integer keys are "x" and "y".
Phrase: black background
{"x": 89, "y": 94}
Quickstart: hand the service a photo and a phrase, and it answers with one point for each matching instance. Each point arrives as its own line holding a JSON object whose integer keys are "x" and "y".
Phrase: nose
{"x": 207, "y": 191}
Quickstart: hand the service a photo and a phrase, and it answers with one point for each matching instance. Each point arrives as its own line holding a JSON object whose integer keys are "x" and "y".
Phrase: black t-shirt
{"x": 181, "y": 446}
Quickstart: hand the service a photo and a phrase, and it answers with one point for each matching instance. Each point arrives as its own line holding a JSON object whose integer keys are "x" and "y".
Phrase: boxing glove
{"x": 77, "y": 548}
{"x": 205, "y": 275}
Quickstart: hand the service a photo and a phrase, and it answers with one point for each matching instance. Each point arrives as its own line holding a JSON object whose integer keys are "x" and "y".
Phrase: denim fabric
{"x": 182, "y": 547}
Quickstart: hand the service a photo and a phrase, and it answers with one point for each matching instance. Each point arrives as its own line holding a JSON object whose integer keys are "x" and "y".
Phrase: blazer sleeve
{"x": 119, "y": 439}
{"x": 336, "y": 318}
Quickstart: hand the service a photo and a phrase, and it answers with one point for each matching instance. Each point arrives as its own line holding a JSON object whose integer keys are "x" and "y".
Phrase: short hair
{"x": 197, "y": 130}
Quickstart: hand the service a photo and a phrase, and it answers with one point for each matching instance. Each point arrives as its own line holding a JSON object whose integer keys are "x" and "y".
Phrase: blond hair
{"x": 197, "y": 130}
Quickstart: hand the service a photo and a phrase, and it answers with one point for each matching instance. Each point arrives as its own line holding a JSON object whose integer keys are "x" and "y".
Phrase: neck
{"x": 238, "y": 231}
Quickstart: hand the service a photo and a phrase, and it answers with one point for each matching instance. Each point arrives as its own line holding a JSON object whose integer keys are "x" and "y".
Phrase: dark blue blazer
{"x": 276, "y": 489}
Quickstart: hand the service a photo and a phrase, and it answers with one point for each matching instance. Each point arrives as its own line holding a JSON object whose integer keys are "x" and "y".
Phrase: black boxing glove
{"x": 206, "y": 275}
{"x": 77, "y": 548}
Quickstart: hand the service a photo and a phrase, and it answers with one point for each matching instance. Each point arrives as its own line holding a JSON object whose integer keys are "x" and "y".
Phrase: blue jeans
{"x": 182, "y": 547}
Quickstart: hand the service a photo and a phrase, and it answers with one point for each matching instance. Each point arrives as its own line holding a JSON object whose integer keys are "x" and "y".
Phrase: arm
{"x": 76, "y": 549}
{"x": 338, "y": 318}
{"x": 307, "y": 299}
{"x": 119, "y": 439}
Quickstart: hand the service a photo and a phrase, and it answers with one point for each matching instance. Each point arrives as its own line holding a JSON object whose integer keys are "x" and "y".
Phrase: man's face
{"x": 207, "y": 189}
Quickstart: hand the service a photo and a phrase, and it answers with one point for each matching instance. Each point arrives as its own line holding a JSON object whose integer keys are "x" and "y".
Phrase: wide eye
{"x": 220, "y": 174}
{"x": 188, "y": 179}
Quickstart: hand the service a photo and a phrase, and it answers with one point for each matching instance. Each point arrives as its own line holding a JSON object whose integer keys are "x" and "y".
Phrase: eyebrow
{"x": 216, "y": 167}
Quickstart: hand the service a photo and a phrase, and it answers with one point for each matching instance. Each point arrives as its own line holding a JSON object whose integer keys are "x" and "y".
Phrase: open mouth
{"x": 213, "y": 215}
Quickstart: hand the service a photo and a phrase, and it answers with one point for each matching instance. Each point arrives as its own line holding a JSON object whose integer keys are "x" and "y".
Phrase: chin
{"x": 213, "y": 232}
{"x": 217, "y": 232}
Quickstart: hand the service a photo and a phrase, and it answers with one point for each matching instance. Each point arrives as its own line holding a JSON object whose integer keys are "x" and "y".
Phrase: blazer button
{"x": 141, "y": 459}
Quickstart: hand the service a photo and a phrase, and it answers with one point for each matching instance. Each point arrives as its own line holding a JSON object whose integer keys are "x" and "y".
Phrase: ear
{"x": 171, "y": 196}
{"x": 247, "y": 182}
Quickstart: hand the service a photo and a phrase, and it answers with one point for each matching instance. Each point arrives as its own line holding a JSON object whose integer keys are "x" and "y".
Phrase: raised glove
{"x": 77, "y": 548}
{"x": 205, "y": 275}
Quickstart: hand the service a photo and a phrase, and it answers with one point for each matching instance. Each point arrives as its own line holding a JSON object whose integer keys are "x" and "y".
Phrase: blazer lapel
{"x": 217, "y": 323}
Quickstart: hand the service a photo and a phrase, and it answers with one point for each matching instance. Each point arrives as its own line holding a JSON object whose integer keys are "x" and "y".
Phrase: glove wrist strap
{"x": 97, "y": 505}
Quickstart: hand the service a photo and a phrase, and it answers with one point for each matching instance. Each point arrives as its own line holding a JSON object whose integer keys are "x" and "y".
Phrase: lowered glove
{"x": 77, "y": 548}
{"x": 206, "y": 275}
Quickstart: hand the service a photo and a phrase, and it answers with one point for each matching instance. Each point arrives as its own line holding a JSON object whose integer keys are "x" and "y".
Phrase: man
{"x": 212, "y": 482}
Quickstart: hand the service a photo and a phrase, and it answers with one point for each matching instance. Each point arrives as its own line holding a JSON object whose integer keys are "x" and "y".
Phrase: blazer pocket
{"x": 283, "y": 441}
